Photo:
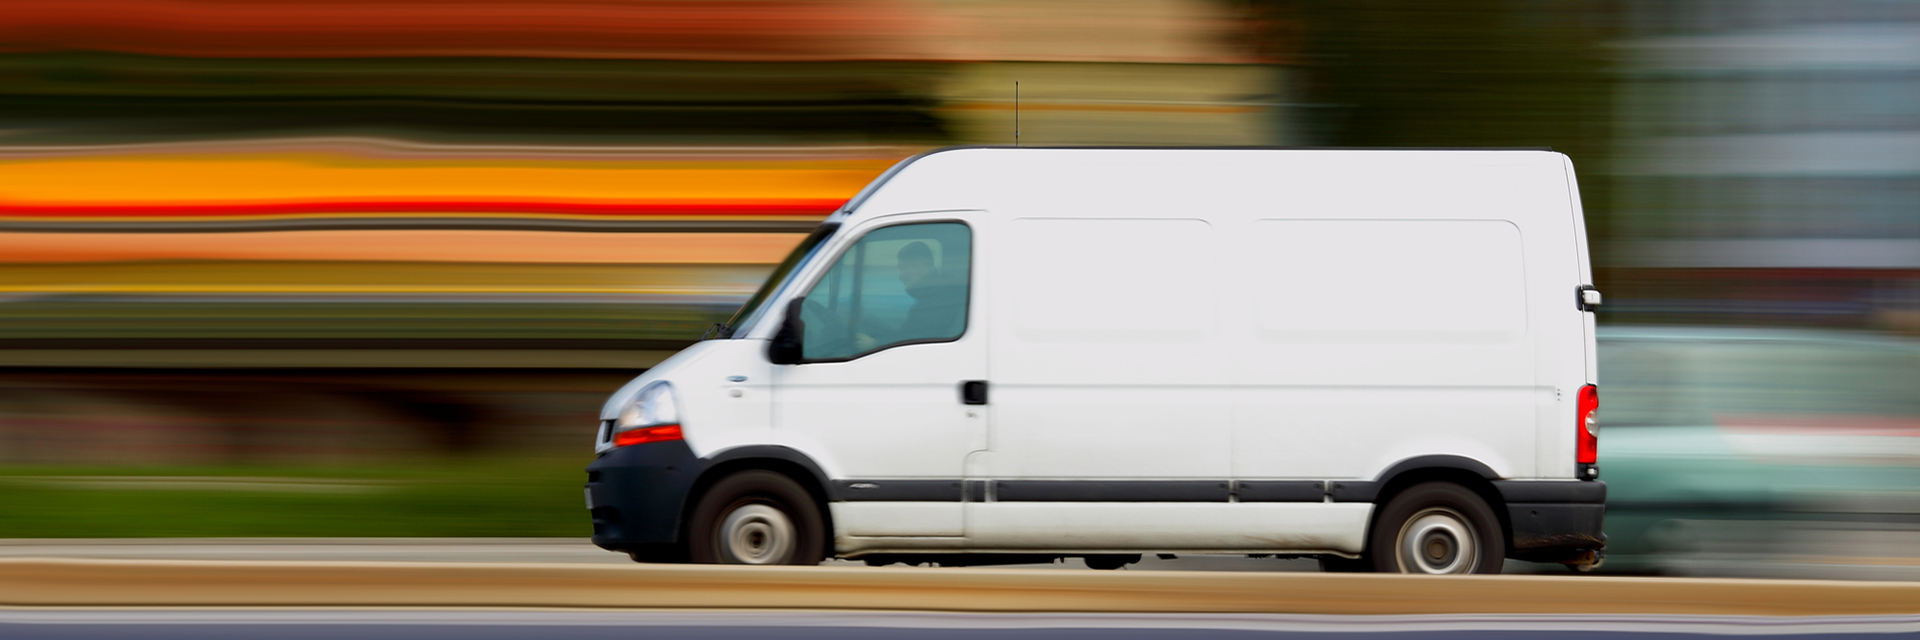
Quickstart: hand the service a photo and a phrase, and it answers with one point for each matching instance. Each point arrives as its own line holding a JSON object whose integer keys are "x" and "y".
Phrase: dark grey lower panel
{"x": 1553, "y": 491}
{"x": 1555, "y": 532}
{"x": 639, "y": 493}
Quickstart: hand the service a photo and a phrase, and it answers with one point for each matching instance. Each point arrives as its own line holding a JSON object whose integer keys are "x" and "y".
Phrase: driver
{"x": 939, "y": 304}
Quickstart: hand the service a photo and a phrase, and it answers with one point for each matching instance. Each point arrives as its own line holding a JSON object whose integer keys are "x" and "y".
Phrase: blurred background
{"x": 368, "y": 268}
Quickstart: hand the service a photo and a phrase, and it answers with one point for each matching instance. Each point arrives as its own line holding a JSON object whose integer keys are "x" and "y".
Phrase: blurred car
{"x": 1761, "y": 452}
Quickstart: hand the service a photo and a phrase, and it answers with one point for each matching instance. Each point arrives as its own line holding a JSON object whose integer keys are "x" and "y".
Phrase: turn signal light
{"x": 645, "y": 435}
{"x": 1586, "y": 438}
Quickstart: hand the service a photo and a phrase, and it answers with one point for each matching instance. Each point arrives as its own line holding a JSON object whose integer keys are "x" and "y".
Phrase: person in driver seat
{"x": 939, "y": 308}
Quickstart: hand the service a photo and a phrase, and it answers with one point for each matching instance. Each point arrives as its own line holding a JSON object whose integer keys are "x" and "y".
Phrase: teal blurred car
{"x": 1760, "y": 452}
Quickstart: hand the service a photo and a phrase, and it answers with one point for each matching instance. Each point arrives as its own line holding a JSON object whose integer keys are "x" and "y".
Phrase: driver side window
{"x": 898, "y": 285}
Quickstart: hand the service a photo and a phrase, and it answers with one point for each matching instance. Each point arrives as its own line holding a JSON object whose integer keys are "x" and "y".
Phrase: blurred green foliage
{"x": 511, "y": 497}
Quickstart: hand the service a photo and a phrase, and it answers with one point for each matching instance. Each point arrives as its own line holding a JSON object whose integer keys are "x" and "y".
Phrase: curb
{"x": 169, "y": 583}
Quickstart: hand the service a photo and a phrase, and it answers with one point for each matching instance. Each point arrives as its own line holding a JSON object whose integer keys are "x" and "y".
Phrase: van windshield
{"x": 749, "y": 313}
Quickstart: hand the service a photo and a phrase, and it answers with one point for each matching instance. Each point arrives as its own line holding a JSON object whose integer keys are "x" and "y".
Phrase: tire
{"x": 757, "y": 517}
{"x": 1437, "y": 528}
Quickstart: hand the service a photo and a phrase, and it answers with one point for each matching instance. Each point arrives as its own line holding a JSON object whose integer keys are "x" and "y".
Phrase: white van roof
{"x": 978, "y": 173}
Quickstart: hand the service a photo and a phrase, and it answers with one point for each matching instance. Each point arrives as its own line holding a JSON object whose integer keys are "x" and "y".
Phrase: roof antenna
{"x": 1016, "y": 113}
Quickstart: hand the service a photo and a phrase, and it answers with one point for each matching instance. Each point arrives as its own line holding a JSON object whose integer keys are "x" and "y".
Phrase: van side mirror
{"x": 785, "y": 348}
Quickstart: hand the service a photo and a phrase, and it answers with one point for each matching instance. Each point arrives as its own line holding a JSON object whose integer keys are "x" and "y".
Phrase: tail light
{"x": 1586, "y": 448}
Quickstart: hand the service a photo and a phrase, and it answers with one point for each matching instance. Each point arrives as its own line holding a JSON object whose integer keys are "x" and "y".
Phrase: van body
{"x": 1380, "y": 358}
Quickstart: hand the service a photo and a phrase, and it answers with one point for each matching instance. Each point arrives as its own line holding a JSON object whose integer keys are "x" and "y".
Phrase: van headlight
{"x": 652, "y": 415}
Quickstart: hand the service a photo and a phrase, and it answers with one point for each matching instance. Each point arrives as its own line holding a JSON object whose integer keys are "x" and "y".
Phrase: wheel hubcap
{"x": 756, "y": 534}
{"x": 1438, "y": 540}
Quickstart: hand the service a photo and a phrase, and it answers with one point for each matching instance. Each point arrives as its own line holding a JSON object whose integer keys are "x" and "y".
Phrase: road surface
{"x": 587, "y": 625}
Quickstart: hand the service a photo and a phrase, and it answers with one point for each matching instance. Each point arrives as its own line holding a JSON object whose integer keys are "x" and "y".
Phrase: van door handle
{"x": 973, "y": 392}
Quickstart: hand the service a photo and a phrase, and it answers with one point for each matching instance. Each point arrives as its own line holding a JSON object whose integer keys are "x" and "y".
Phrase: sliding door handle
{"x": 973, "y": 392}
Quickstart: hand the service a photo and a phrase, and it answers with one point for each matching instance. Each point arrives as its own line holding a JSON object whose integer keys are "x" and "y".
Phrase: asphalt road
{"x": 581, "y": 625}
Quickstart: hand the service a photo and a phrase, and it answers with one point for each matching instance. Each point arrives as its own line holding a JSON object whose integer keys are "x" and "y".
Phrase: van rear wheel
{"x": 757, "y": 517}
{"x": 1437, "y": 528}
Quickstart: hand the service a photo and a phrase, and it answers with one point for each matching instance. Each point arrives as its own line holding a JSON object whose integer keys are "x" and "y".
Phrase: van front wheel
{"x": 757, "y": 517}
{"x": 1437, "y": 528}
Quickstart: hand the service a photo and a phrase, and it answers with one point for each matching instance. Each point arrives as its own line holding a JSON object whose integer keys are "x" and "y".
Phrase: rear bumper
{"x": 1555, "y": 521}
{"x": 637, "y": 493}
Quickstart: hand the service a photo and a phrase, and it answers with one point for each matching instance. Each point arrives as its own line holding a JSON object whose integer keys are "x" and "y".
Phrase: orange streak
{"x": 323, "y": 183}
{"x": 403, "y": 246}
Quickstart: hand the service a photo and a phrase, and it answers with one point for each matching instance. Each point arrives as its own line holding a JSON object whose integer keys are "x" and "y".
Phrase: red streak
{"x": 754, "y": 29}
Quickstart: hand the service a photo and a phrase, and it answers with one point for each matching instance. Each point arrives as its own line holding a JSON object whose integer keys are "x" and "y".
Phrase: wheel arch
{"x": 782, "y": 460}
{"x": 1467, "y": 472}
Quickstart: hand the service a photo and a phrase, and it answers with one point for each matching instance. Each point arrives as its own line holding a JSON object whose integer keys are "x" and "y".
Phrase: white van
{"x": 1380, "y": 358}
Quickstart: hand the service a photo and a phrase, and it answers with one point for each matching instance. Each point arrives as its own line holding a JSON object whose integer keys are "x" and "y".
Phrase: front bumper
{"x": 637, "y": 494}
{"x": 1555, "y": 521}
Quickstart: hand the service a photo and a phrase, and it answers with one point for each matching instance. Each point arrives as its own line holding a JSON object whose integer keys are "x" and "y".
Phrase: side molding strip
{"x": 1280, "y": 491}
{"x": 897, "y": 490}
{"x": 975, "y": 491}
{"x": 943, "y": 490}
{"x": 1111, "y": 490}
{"x": 1354, "y": 491}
